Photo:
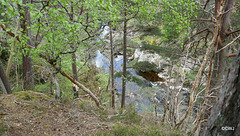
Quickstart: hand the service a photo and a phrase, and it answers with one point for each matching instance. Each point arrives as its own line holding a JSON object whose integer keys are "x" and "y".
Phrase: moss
{"x": 24, "y": 95}
{"x": 145, "y": 66}
{"x": 86, "y": 104}
{"x": 3, "y": 129}
{"x": 169, "y": 51}
{"x": 30, "y": 95}
{"x": 130, "y": 77}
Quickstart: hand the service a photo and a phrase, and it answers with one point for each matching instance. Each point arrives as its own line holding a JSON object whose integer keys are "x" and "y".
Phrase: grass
{"x": 129, "y": 122}
{"x": 120, "y": 129}
{"x": 2, "y": 129}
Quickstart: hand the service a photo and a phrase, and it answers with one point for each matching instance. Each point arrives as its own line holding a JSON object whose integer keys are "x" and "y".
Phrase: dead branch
{"x": 229, "y": 33}
{"x": 202, "y": 19}
{"x": 203, "y": 108}
{"x": 228, "y": 44}
{"x": 214, "y": 89}
{"x": 168, "y": 89}
{"x": 191, "y": 101}
{"x": 209, "y": 96}
{"x": 194, "y": 36}
{"x": 205, "y": 5}
{"x": 95, "y": 98}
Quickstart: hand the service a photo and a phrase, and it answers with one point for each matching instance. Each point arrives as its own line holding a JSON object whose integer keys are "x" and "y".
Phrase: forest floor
{"x": 36, "y": 114}
{"x": 29, "y": 113}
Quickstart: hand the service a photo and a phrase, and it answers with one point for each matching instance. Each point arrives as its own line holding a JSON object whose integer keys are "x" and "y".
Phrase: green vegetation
{"x": 25, "y": 95}
{"x": 120, "y": 129}
{"x": 130, "y": 123}
{"x": 48, "y": 48}
{"x": 145, "y": 66}
{"x": 3, "y": 129}
{"x": 130, "y": 77}
{"x": 165, "y": 51}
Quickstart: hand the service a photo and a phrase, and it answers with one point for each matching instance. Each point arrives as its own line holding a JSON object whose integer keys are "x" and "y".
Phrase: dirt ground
{"x": 36, "y": 114}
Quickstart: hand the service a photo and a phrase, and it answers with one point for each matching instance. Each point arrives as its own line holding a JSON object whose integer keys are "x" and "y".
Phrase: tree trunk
{"x": 5, "y": 85}
{"x": 58, "y": 91}
{"x": 124, "y": 59}
{"x": 2, "y": 87}
{"x": 219, "y": 67}
{"x": 224, "y": 118}
{"x": 74, "y": 66}
{"x": 11, "y": 54}
{"x": 51, "y": 83}
{"x": 28, "y": 71}
{"x": 112, "y": 69}
{"x": 75, "y": 76}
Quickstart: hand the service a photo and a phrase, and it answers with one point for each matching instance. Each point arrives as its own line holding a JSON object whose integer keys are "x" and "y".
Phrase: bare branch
{"x": 229, "y": 33}
{"x": 205, "y": 5}
{"x": 228, "y": 44}
{"x": 201, "y": 19}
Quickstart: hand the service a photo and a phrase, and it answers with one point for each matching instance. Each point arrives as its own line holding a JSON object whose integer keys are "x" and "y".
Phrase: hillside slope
{"x": 32, "y": 113}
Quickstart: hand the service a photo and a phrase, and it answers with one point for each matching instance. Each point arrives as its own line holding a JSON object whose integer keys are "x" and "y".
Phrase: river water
{"x": 135, "y": 94}
{"x": 144, "y": 97}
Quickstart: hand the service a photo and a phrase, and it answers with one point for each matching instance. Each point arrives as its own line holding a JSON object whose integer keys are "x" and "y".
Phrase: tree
{"x": 224, "y": 118}
{"x": 28, "y": 70}
{"x": 222, "y": 24}
{"x": 220, "y": 31}
{"x": 130, "y": 11}
{"x": 112, "y": 69}
{"x": 4, "y": 82}
{"x": 50, "y": 24}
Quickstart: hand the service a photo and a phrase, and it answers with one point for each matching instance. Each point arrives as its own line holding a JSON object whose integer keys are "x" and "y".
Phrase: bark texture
{"x": 226, "y": 111}
{"x": 75, "y": 76}
{"x": 112, "y": 69}
{"x": 57, "y": 91}
{"x": 28, "y": 71}
{"x": 124, "y": 59}
{"x": 5, "y": 85}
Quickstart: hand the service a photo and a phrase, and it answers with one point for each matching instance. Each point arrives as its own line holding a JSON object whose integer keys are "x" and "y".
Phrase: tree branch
{"x": 228, "y": 44}
{"x": 201, "y": 19}
{"x": 205, "y": 5}
{"x": 229, "y": 33}
{"x": 13, "y": 35}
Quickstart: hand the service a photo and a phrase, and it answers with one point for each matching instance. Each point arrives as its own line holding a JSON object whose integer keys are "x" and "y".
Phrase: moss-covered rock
{"x": 24, "y": 95}
{"x": 145, "y": 66}
{"x": 29, "y": 95}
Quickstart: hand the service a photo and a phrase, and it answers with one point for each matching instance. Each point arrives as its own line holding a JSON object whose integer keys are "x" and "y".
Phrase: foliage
{"x": 236, "y": 17}
{"x": 3, "y": 128}
{"x": 168, "y": 51}
{"x": 176, "y": 17}
{"x": 149, "y": 30}
{"x": 128, "y": 116}
{"x": 44, "y": 88}
{"x": 191, "y": 75}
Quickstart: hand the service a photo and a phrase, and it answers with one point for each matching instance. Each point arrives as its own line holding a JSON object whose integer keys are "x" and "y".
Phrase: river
{"x": 139, "y": 95}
